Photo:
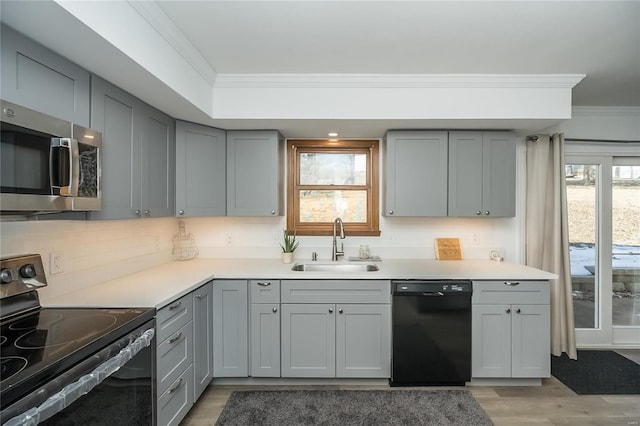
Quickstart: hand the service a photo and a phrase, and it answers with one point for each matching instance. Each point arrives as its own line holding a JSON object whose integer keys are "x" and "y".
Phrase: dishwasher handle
{"x": 432, "y": 293}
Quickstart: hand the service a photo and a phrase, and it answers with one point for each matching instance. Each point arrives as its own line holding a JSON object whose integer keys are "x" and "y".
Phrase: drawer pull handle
{"x": 175, "y": 306}
{"x": 175, "y": 339}
{"x": 511, "y": 283}
{"x": 264, "y": 284}
{"x": 176, "y": 387}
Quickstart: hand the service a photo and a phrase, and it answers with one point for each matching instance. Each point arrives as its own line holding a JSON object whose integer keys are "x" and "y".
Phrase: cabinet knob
{"x": 181, "y": 212}
{"x": 508, "y": 310}
{"x": 340, "y": 311}
{"x": 273, "y": 212}
{"x": 330, "y": 310}
{"x": 147, "y": 212}
{"x": 478, "y": 212}
{"x": 487, "y": 212}
{"x": 390, "y": 211}
{"x": 518, "y": 311}
{"x": 138, "y": 212}
{"x": 275, "y": 309}
{"x": 198, "y": 296}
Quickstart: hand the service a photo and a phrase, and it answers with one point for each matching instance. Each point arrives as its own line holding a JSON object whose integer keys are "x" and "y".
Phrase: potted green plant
{"x": 290, "y": 245}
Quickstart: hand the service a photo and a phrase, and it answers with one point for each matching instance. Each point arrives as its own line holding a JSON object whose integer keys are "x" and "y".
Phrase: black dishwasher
{"x": 431, "y": 332}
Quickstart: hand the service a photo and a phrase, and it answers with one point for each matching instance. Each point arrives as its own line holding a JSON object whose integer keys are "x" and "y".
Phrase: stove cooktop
{"x": 36, "y": 347}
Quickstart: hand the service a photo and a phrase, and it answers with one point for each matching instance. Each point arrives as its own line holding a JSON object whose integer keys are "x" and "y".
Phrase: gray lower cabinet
{"x": 174, "y": 360}
{"x": 202, "y": 338}
{"x": 510, "y": 329}
{"x": 138, "y": 155}
{"x": 336, "y": 328}
{"x": 482, "y": 174}
{"x": 264, "y": 333}
{"x": 201, "y": 172}
{"x": 415, "y": 173}
{"x": 255, "y": 173}
{"x": 230, "y": 328}
{"x": 38, "y": 78}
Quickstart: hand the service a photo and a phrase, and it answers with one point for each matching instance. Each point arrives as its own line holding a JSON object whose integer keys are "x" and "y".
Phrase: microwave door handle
{"x": 63, "y": 165}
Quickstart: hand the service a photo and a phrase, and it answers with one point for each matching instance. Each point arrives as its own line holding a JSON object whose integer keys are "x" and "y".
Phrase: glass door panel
{"x": 582, "y": 206}
{"x": 625, "y": 218}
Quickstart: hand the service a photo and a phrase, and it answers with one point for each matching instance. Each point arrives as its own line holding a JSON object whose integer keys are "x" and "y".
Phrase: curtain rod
{"x": 600, "y": 140}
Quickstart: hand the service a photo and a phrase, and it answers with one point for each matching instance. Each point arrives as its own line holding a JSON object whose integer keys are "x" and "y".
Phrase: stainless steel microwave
{"x": 47, "y": 164}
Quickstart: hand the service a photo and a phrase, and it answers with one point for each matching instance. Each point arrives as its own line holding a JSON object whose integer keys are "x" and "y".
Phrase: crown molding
{"x": 161, "y": 23}
{"x": 538, "y": 81}
{"x": 605, "y": 111}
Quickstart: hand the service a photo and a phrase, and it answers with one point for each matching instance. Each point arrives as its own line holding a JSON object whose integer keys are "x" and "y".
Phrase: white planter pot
{"x": 287, "y": 257}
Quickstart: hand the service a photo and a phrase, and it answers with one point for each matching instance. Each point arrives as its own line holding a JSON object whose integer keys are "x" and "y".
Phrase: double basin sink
{"x": 335, "y": 267}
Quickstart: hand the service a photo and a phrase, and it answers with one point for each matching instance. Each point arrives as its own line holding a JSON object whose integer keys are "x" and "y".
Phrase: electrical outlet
{"x": 56, "y": 262}
{"x": 228, "y": 240}
{"x": 475, "y": 240}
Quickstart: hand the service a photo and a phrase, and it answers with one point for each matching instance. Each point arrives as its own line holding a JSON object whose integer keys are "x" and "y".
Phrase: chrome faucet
{"x": 335, "y": 254}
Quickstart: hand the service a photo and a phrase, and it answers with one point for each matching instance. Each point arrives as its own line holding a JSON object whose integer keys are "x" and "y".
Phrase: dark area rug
{"x": 598, "y": 373}
{"x": 337, "y": 407}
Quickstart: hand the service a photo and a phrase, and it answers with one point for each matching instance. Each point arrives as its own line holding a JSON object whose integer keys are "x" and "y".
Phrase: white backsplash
{"x": 94, "y": 252}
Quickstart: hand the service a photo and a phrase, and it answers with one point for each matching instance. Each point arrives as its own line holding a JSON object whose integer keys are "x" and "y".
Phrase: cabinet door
{"x": 308, "y": 340}
{"x": 499, "y": 169}
{"x": 465, "y": 174}
{"x": 491, "y": 341}
{"x": 530, "y": 329}
{"x": 363, "y": 341}
{"x": 202, "y": 338}
{"x": 415, "y": 179}
{"x": 265, "y": 340}
{"x": 255, "y": 173}
{"x": 117, "y": 115}
{"x": 37, "y": 78}
{"x": 201, "y": 172}
{"x": 158, "y": 164}
{"x": 230, "y": 329}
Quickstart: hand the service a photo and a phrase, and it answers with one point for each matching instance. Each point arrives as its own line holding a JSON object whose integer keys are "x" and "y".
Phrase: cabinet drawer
{"x": 174, "y": 316}
{"x": 511, "y": 291}
{"x": 175, "y": 402}
{"x": 336, "y": 291}
{"x": 173, "y": 355}
{"x": 265, "y": 291}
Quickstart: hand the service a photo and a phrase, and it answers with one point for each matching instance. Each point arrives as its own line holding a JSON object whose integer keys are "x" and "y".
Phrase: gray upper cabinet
{"x": 38, "y": 78}
{"x": 138, "y": 155}
{"x": 255, "y": 173}
{"x": 482, "y": 174}
{"x": 415, "y": 173}
{"x": 201, "y": 172}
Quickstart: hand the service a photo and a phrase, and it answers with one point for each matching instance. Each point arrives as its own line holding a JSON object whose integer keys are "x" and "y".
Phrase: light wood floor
{"x": 550, "y": 404}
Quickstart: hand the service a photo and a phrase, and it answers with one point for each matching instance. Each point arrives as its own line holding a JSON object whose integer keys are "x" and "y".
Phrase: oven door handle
{"x": 71, "y": 392}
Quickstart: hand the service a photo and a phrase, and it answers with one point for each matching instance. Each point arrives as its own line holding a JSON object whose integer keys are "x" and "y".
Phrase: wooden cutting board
{"x": 448, "y": 249}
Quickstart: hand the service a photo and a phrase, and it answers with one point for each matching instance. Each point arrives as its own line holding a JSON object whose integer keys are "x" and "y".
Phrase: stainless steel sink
{"x": 335, "y": 267}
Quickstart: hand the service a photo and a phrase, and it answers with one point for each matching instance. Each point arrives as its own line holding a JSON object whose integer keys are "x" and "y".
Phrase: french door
{"x": 603, "y": 201}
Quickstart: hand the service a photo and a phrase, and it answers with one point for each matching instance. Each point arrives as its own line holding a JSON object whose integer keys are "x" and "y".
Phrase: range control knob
{"x": 6, "y": 276}
{"x": 28, "y": 271}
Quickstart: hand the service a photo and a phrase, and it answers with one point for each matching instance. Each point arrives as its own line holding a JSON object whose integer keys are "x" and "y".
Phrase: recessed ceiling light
{"x": 332, "y": 134}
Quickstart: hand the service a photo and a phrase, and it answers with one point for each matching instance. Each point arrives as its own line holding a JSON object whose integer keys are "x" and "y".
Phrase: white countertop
{"x": 158, "y": 286}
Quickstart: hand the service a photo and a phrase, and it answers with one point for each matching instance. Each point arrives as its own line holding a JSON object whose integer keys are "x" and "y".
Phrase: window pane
{"x": 626, "y": 245}
{"x": 333, "y": 169}
{"x": 581, "y": 205}
{"x": 326, "y": 205}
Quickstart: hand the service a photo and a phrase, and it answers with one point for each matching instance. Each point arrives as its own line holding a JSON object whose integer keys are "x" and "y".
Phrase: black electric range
{"x": 38, "y": 346}
{"x": 44, "y": 349}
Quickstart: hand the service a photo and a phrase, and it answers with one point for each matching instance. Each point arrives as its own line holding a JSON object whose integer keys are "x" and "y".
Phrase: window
{"x": 330, "y": 179}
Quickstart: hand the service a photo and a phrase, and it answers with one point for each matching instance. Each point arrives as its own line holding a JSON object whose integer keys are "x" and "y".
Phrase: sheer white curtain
{"x": 547, "y": 233}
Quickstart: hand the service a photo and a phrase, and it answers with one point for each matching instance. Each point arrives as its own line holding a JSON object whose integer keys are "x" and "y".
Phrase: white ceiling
{"x": 598, "y": 38}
